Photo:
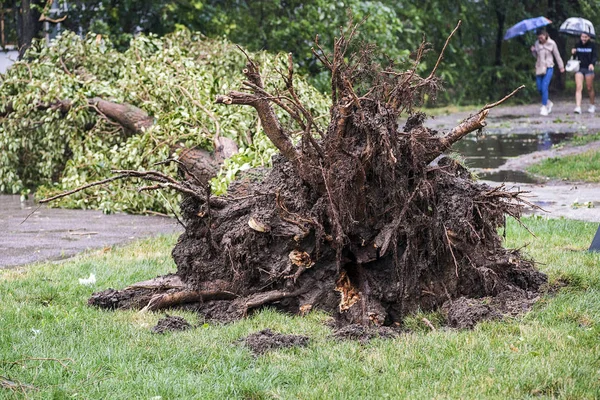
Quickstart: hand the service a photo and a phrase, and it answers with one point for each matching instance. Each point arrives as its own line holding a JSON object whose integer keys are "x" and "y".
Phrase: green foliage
{"x": 478, "y": 65}
{"x": 175, "y": 79}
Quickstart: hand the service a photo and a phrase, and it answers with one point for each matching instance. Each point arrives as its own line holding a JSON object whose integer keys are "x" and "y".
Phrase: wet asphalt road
{"x": 53, "y": 234}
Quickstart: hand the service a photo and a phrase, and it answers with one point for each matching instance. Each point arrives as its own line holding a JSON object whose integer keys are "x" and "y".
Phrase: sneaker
{"x": 577, "y": 110}
{"x": 549, "y": 106}
{"x": 544, "y": 111}
{"x": 592, "y": 109}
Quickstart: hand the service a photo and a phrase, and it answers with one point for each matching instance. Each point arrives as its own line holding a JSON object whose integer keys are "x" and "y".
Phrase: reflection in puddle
{"x": 507, "y": 176}
{"x": 492, "y": 151}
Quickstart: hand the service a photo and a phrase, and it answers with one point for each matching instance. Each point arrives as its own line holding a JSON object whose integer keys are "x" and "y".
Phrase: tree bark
{"x": 128, "y": 116}
{"x": 28, "y": 24}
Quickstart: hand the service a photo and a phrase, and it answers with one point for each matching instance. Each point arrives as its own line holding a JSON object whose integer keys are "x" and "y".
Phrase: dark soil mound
{"x": 364, "y": 333}
{"x": 465, "y": 313}
{"x": 265, "y": 340}
{"x": 171, "y": 323}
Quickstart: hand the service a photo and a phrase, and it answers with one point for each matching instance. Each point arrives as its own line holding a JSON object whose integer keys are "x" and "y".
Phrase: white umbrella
{"x": 577, "y": 26}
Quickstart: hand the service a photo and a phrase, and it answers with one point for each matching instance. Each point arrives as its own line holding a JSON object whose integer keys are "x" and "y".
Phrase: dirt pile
{"x": 364, "y": 333}
{"x": 265, "y": 340}
{"x": 171, "y": 323}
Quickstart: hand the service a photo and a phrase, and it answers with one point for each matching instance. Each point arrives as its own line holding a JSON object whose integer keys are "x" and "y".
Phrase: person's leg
{"x": 578, "y": 88}
{"x": 538, "y": 83}
{"x": 546, "y": 84}
{"x": 589, "y": 80}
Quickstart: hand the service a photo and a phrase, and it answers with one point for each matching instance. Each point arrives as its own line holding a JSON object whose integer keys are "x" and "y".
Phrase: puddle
{"x": 493, "y": 150}
{"x": 507, "y": 176}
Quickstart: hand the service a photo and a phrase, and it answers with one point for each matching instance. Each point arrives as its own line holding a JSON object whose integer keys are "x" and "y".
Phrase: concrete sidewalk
{"x": 53, "y": 233}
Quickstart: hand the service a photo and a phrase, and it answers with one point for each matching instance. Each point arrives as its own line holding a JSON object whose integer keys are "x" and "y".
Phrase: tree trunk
{"x": 128, "y": 116}
{"x": 500, "y": 18}
{"x": 28, "y": 24}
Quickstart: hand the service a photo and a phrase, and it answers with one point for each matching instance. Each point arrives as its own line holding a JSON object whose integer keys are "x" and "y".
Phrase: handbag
{"x": 541, "y": 70}
{"x": 572, "y": 65}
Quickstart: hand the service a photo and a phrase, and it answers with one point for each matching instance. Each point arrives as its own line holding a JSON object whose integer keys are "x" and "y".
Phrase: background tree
{"x": 491, "y": 64}
{"x": 26, "y": 14}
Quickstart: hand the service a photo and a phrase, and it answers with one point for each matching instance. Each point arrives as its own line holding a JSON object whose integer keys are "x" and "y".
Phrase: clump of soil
{"x": 266, "y": 340}
{"x": 171, "y": 323}
{"x": 364, "y": 333}
{"x": 465, "y": 313}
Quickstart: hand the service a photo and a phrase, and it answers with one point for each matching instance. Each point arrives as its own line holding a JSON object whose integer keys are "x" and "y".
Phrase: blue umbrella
{"x": 525, "y": 26}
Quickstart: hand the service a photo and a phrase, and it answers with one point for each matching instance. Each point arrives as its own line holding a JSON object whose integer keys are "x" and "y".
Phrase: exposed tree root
{"x": 362, "y": 219}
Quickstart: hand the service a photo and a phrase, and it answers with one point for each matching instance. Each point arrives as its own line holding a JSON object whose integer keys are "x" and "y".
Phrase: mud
{"x": 171, "y": 323}
{"x": 267, "y": 340}
{"x": 465, "y": 313}
{"x": 364, "y": 334}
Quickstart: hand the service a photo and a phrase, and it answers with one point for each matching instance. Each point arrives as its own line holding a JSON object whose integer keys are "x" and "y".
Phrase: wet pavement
{"x": 54, "y": 234}
{"x": 580, "y": 201}
{"x": 526, "y": 119}
{"x": 516, "y": 137}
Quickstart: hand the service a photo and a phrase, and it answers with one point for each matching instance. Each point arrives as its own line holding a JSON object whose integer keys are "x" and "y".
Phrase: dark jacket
{"x": 586, "y": 53}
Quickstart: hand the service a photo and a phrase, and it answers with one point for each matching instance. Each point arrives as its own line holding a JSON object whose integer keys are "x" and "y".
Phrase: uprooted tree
{"x": 364, "y": 219}
{"x": 68, "y": 116}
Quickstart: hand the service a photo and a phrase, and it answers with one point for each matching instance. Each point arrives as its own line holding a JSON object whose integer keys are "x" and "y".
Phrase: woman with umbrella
{"x": 585, "y": 52}
{"x": 545, "y": 51}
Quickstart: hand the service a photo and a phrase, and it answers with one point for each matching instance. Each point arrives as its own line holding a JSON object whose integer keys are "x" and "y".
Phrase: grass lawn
{"x": 50, "y": 339}
{"x": 580, "y": 167}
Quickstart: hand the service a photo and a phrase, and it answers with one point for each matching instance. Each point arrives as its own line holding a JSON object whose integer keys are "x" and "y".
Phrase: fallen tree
{"x": 73, "y": 111}
{"x": 363, "y": 219}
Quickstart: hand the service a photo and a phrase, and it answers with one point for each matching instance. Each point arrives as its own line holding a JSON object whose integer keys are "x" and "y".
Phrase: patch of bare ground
{"x": 171, "y": 323}
{"x": 266, "y": 340}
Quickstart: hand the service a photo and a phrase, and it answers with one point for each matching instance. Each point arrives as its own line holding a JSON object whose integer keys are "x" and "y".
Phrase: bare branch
{"x": 443, "y": 50}
{"x": 79, "y": 189}
{"x": 488, "y": 106}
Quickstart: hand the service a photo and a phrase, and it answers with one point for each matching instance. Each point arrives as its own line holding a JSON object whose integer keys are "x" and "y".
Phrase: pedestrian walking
{"x": 546, "y": 52}
{"x": 585, "y": 52}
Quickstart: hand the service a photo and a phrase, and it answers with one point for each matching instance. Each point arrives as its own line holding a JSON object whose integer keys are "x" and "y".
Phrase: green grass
{"x": 554, "y": 351}
{"x": 580, "y": 167}
{"x": 582, "y": 139}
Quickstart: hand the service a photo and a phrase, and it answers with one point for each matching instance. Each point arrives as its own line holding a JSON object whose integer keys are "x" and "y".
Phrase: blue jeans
{"x": 542, "y": 82}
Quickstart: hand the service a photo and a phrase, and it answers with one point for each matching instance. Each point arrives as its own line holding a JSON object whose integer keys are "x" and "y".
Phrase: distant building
{"x": 52, "y": 30}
